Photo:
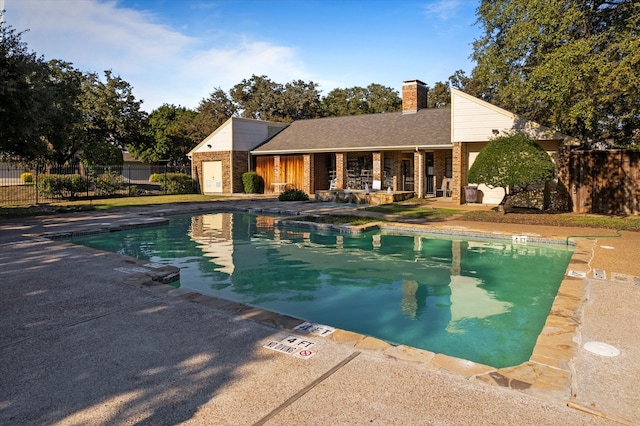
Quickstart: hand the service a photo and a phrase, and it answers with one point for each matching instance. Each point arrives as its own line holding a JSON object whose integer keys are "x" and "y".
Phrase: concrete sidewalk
{"x": 89, "y": 337}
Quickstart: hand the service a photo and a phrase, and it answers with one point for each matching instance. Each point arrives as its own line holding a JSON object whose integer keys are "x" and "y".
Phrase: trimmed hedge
{"x": 252, "y": 182}
{"x": 176, "y": 183}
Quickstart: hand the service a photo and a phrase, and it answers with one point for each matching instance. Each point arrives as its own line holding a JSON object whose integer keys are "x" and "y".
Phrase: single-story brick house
{"x": 417, "y": 149}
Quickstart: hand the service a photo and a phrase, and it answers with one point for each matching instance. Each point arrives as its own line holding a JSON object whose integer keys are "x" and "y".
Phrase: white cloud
{"x": 162, "y": 64}
{"x": 442, "y": 9}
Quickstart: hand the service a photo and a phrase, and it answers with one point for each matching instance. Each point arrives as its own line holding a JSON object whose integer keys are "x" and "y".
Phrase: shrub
{"x": 252, "y": 182}
{"x": 63, "y": 185}
{"x": 109, "y": 183}
{"x": 293, "y": 195}
{"x": 176, "y": 183}
{"x": 509, "y": 160}
{"x": 514, "y": 161}
{"x": 26, "y": 177}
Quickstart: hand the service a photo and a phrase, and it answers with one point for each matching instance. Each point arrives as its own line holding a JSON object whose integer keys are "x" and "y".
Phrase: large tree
{"x": 439, "y": 95}
{"x": 301, "y": 100}
{"x": 571, "y": 65}
{"x": 52, "y": 112}
{"x": 262, "y": 98}
{"x": 212, "y": 111}
{"x": 171, "y": 135}
{"x": 356, "y": 100}
{"x": 258, "y": 97}
{"x": 23, "y": 100}
{"x": 113, "y": 120}
{"x": 65, "y": 117}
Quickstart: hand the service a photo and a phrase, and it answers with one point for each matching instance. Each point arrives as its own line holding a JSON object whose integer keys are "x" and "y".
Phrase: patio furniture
{"x": 279, "y": 186}
{"x": 333, "y": 184}
{"x": 445, "y": 188}
{"x": 388, "y": 180}
{"x": 366, "y": 177}
{"x": 352, "y": 180}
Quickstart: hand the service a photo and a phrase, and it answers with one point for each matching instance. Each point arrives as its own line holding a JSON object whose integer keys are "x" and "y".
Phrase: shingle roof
{"x": 426, "y": 128}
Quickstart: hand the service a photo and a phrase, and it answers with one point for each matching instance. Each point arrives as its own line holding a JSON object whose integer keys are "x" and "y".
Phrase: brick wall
{"x": 234, "y": 165}
{"x": 460, "y": 167}
{"x": 341, "y": 169}
{"x": 414, "y": 95}
{"x": 378, "y": 162}
{"x": 196, "y": 167}
{"x": 309, "y": 174}
{"x": 240, "y": 167}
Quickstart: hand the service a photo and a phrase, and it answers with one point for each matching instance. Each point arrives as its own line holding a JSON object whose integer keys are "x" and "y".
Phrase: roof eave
{"x": 353, "y": 149}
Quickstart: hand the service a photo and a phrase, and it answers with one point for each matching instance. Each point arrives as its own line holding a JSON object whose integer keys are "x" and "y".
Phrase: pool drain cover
{"x": 600, "y": 348}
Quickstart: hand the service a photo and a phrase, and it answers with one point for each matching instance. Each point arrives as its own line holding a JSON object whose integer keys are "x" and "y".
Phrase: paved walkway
{"x": 89, "y": 337}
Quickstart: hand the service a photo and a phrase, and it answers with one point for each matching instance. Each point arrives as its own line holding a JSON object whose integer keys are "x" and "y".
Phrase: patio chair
{"x": 366, "y": 177}
{"x": 352, "y": 180}
{"x": 333, "y": 184}
{"x": 445, "y": 188}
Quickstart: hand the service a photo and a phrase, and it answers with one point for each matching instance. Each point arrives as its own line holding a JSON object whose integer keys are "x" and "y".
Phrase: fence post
{"x": 165, "y": 179}
{"x": 37, "y": 183}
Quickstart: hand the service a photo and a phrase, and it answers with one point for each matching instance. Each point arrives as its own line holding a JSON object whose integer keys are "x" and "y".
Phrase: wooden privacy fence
{"x": 281, "y": 172}
{"x": 605, "y": 182}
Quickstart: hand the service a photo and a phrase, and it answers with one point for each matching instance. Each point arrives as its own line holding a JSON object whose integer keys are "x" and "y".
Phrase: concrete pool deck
{"x": 89, "y": 337}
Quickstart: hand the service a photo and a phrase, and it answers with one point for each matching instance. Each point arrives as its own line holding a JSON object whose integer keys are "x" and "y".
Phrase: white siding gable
{"x": 219, "y": 140}
{"x": 238, "y": 134}
{"x": 474, "y": 120}
{"x": 249, "y": 134}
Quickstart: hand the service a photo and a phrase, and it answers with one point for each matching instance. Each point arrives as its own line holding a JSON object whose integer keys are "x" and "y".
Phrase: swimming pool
{"x": 481, "y": 300}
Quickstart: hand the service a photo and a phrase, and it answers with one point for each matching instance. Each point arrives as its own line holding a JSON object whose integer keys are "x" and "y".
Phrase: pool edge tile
{"x": 459, "y": 366}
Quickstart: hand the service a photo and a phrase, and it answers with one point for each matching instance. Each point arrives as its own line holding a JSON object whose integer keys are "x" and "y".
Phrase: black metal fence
{"x": 20, "y": 185}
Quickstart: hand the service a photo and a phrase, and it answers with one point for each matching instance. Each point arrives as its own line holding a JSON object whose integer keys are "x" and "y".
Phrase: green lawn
{"x": 415, "y": 209}
{"x": 102, "y": 204}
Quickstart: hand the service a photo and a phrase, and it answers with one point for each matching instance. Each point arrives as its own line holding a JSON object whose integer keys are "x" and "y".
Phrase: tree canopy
{"x": 372, "y": 99}
{"x": 52, "y": 112}
{"x": 112, "y": 117}
{"x": 170, "y": 135}
{"x": 573, "y": 66}
{"x": 23, "y": 77}
{"x": 261, "y": 98}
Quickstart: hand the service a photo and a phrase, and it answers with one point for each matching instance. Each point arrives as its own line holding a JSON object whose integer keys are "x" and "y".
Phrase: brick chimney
{"x": 414, "y": 96}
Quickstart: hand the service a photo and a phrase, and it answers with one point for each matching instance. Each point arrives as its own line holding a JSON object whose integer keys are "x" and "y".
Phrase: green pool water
{"x": 481, "y": 300}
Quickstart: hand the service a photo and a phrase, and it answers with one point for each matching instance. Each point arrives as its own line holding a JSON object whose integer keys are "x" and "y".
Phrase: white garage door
{"x": 212, "y": 176}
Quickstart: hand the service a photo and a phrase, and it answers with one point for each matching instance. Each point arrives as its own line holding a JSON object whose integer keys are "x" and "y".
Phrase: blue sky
{"x": 179, "y": 51}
